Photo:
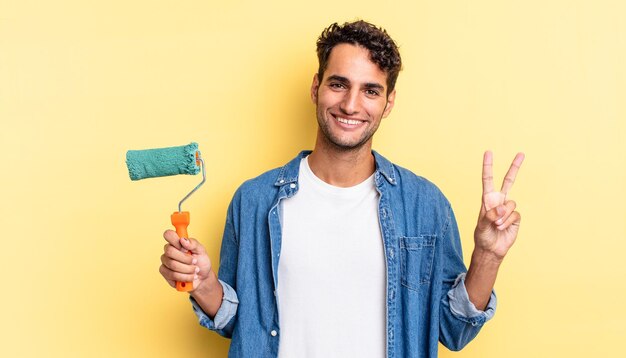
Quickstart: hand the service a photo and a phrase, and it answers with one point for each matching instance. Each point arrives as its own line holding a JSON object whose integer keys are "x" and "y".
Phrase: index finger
{"x": 487, "y": 172}
{"x": 172, "y": 238}
{"x": 509, "y": 179}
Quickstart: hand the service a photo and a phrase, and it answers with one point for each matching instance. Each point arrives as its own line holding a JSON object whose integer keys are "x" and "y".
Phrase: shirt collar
{"x": 289, "y": 173}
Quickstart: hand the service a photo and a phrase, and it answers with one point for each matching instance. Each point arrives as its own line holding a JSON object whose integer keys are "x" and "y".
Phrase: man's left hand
{"x": 498, "y": 222}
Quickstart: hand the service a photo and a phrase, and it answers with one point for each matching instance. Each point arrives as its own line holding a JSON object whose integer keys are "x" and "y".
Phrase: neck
{"x": 340, "y": 167}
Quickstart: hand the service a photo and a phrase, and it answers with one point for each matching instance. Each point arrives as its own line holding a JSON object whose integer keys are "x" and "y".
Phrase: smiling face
{"x": 351, "y": 100}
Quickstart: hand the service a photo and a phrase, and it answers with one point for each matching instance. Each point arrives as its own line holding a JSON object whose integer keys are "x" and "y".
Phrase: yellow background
{"x": 81, "y": 82}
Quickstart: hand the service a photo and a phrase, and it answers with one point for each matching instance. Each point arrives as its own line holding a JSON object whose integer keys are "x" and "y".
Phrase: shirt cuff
{"x": 224, "y": 314}
{"x": 464, "y": 309}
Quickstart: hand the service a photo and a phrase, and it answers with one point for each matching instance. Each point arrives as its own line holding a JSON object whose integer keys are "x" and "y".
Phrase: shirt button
{"x": 273, "y": 333}
{"x": 292, "y": 186}
{"x": 281, "y": 181}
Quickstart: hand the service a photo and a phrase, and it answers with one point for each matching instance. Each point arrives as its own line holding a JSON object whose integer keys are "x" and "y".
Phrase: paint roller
{"x": 159, "y": 162}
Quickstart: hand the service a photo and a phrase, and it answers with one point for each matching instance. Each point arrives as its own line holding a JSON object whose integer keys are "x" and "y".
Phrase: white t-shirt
{"x": 331, "y": 273}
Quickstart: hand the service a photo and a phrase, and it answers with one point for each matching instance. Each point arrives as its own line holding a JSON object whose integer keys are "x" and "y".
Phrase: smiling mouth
{"x": 351, "y": 122}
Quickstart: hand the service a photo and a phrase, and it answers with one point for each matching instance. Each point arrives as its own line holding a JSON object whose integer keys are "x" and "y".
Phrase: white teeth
{"x": 347, "y": 121}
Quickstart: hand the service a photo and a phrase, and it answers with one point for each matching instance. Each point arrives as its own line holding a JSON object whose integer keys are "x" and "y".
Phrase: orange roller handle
{"x": 180, "y": 220}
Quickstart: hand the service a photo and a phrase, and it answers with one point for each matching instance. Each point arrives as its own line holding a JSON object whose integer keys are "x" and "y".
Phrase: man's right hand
{"x": 176, "y": 265}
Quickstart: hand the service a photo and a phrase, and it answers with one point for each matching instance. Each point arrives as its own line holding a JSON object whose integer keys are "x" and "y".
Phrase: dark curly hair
{"x": 383, "y": 50}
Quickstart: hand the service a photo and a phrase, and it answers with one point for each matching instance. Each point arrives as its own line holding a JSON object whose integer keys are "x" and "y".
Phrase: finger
{"x": 509, "y": 179}
{"x": 513, "y": 219}
{"x": 505, "y": 211}
{"x": 178, "y": 255}
{"x": 172, "y": 238}
{"x": 492, "y": 216}
{"x": 177, "y": 276}
{"x": 487, "y": 219}
{"x": 166, "y": 273}
{"x": 192, "y": 245}
{"x": 487, "y": 172}
{"x": 182, "y": 277}
{"x": 170, "y": 275}
{"x": 177, "y": 266}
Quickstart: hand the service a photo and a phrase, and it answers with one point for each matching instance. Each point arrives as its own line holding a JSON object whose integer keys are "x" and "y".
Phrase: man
{"x": 341, "y": 253}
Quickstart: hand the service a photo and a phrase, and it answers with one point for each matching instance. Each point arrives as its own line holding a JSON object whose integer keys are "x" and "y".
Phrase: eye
{"x": 336, "y": 85}
{"x": 372, "y": 93}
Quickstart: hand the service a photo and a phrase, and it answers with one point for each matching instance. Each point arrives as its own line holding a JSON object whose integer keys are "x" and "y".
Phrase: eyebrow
{"x": 345, "y": 80}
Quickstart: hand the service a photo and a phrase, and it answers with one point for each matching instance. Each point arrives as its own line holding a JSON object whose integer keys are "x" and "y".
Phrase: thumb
{"x": 191, "y": 245}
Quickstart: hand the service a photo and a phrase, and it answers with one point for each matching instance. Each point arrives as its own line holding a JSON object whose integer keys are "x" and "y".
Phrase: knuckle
{"x": 509, "y": 206}
{"x": 171, "y": 251}
{"x": 168, "y": 263}
{"x": 163, "y": 271}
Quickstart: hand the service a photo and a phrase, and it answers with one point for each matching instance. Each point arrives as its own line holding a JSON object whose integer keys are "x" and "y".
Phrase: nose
{"x": 350, "y": 102}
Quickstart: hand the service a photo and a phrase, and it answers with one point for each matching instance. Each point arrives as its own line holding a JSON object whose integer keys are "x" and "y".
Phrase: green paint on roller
{"x": 159, "y": 162}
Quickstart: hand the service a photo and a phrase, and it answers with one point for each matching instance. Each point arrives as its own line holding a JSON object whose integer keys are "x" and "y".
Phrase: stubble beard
{"x": 336, "y": 142}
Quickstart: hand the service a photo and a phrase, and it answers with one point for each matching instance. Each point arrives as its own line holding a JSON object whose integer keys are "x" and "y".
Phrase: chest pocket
{"x": 416, "y": 261}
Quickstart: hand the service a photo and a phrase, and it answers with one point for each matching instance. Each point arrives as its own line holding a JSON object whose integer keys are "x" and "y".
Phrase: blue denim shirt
{"x": 426, "y": 297}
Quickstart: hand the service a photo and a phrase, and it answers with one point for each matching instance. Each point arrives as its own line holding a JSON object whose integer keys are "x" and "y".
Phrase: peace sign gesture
{"x": 498, "y": 222}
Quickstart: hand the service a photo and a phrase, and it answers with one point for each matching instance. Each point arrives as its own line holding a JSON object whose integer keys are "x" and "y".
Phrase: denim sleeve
{"x": 464, "y": 309}
{"x": 224, "y": 314}
{"x": 459, "y": 320}
{"x": 224, "y": 321}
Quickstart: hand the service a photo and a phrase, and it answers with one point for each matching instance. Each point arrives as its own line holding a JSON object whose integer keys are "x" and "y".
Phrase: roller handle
{"x": 180, "y": 220}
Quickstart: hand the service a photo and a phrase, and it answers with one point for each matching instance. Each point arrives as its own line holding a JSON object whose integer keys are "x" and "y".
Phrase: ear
{"x": 390, "y": 101}
{"x": 314, "y": 87}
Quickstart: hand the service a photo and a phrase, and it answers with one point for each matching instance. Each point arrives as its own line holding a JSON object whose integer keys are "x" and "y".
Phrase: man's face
{"x": 352, "y": 98}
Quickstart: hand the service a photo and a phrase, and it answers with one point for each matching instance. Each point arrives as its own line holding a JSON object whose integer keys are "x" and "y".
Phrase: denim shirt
{"x": 426, "y": 297}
